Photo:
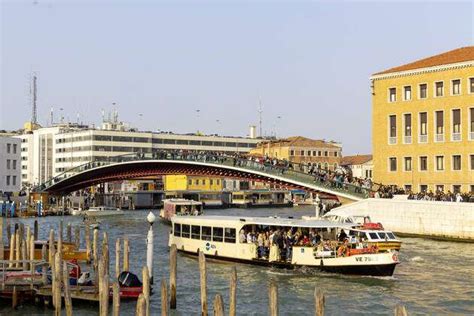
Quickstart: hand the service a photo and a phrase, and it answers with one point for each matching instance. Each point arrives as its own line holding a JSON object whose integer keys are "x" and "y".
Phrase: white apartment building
{"x": 361, "y": 166}
{"x": 10, "y": 172}
{"x": 50, "y": 151}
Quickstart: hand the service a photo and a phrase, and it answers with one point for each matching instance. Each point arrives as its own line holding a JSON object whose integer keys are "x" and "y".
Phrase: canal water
{"x": 434, "y": 277}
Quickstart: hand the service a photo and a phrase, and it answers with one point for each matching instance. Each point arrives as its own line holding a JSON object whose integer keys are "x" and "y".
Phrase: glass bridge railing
{"x": 324, "y": 179}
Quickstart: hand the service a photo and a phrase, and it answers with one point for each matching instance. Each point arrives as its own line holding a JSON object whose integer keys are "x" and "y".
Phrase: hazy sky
{"x": 308, "y": 62}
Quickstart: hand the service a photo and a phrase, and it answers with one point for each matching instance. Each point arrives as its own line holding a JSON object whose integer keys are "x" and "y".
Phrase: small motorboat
{"x": 104, "y": 211}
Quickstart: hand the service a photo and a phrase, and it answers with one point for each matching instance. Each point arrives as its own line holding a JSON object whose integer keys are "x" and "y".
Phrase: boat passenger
{"x": 242, "y": 237}
{"x": 342, "y": 235}
{"x": 260, "y": 244}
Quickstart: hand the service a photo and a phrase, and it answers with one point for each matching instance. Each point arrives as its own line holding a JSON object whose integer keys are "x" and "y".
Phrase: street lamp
{"x": 149, "y": 245}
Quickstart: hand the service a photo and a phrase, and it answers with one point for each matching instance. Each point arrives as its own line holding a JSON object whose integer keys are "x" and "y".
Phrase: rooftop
{"x": 458, "y": 55}
{"x": 355, "y": 160}
{"x": 300, "y": 141}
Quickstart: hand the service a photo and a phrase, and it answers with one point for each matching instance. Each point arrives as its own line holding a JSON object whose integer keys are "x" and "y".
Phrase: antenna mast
{"x": 34, "y": 118}
{"x": 260, "y": 111}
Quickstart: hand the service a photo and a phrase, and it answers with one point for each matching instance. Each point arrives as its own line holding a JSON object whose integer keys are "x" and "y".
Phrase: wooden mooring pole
{"x": 164, "y": 298}
{"x": 69, "y": 233}
{"x": 203, "y": 278}
{"x": 1, "y": 239}
{"x": 141, "y": 306}
{"x": 103, "y": 289}
{"x": 35, "y": 229}
{"x": 173, "y": 272}
{"x": 218, "y": 305}
{"x": 273, "y": 299}
{"x": 400, "y": 310}
{"x": 233, "y": 292}
{"x": 319, "y": 302}
{"x": 57, "y": 283}
{"x": 77, "y": 236}
{"x": 126, "y": 251}
{"x": 67, "y": 291}
{"x": 116, "y": 299}
{"x": 117, "y": 258}
{"x": 87, "y": 236}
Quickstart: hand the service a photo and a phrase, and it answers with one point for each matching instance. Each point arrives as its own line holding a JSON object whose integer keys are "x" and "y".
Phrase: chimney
{"x": 253, "y": 131}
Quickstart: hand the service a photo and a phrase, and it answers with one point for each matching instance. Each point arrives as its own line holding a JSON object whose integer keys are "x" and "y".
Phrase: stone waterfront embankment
{"x": 447, "y": 220}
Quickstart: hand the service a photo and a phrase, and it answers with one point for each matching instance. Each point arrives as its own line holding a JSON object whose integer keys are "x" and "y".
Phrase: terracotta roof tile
{"x": 454, "y": 56}
{"x": 300, "y": 141}
{"x": 355, "y": 160}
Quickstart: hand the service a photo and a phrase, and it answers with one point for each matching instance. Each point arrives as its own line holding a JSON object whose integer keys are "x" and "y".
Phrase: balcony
{"x": 407, "y": 139}
{"x": 439, "y": 138}
{"x": 455, "y": 137}
{"x": 422, "y": 138}
{"x": 392, "y": 140}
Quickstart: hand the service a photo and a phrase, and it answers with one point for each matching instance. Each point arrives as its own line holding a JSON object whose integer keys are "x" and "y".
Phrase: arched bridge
{"x": 142, "y": 165}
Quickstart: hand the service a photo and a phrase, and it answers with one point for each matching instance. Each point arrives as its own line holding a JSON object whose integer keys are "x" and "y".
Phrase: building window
{"x": 325, "y": 154}
{"x": 14, "y": 148}
{"x": 319, "y": 153}
{"x": 423, "y": 91}
{"x": 8, "y": 164}
{"x": 471, "y": 123}
{"x": 407, "y": 163}
{"x": 472, "y": 188}
{"x": 392, "y": 129}
{"x": 456, "y": 116}
{"x": 423, "y": 138}
{"x": 14, "y": 180}
{"x": 407, "y": 93}
{"x": 308, "y": 153}
{"x": 456, "y": 188}
{"x": 439, "y": 89}
{"x": 423, "y": 188}
{"x": 439, "y": 163}
{"x": 472, "y": 162}
{"x": 456, "y": 87}
{"x": 314, "y": 153}
{"x": 8, "y": 180}
{"x": 423, "y": 163}
{"x": 457, "y": 162}
{"x": 9, "y": 146}
{"x": 196, "y": 182}
{"x": 292, "y": 152}
{"x": 471, "y": 85}
{"x": 14, "y": 164}
{"x": 440, "y": 188}
{"x": 393, "y": 164}
{"x": 302, "y": 153}
{"x": 407, "y": 132}
{"x": 439, "y": 126}
{"x": 392, "y": 94}
{"x": 407, "y": 187}
{"x": 211, "y": 182}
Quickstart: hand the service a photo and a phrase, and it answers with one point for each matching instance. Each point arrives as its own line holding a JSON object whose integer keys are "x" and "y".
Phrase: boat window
{"x": 206, "y": 233}
{"x": 230, "y": 235}
{"x": 362, "y": 235}
{"x": 177, "y": 230}
{"x": 217, "y": 234}
{"x": 382, "y": 235}
{"x": 391, "y": 236}
{"x": 373, "y": 236}
{"x": 185, "y": 231}
{"x": 195, "y": 232}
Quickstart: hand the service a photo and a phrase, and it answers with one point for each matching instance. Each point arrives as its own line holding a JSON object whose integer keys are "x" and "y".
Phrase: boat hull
{"x": 367, "y": 270}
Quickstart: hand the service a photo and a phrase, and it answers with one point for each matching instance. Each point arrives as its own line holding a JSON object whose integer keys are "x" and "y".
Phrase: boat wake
{"x": 417, "y": 259}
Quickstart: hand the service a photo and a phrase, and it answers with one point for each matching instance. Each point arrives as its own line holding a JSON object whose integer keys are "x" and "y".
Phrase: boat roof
{"x": 182, "y": 202}
{"x": 265, "y": 221}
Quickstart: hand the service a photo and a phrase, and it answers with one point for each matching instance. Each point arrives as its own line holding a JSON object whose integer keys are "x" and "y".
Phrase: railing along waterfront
{"x": 326, "y": 179}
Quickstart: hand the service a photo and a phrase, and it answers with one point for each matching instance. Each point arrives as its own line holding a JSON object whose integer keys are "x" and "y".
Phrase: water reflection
{"x": 434, "y": 277}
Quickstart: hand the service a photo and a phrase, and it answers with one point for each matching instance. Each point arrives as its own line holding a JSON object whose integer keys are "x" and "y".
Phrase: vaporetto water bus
{"x": 281, "y": 242}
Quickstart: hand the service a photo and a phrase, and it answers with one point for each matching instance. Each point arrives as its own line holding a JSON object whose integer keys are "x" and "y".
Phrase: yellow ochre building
{"x": 423, "y": 123}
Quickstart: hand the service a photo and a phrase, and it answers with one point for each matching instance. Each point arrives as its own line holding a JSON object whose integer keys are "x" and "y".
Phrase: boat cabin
{"x": 277, "y": 241}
